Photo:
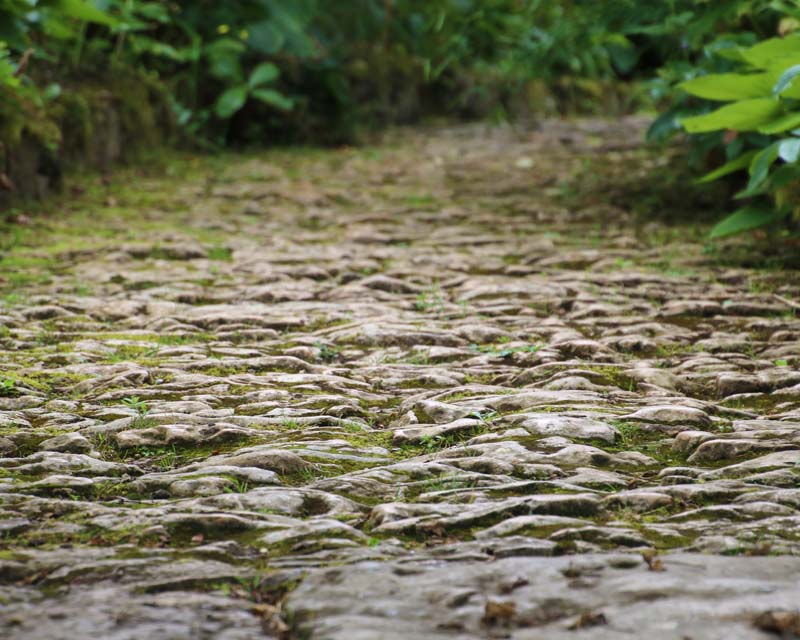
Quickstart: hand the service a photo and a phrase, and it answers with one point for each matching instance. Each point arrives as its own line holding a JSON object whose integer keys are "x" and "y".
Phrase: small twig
{"x": 787, "y": 302}
{"x": 23, "y": 63}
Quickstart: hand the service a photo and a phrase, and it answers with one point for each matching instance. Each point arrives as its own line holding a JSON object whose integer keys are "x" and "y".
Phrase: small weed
{"x": 421, "y": 200}
{"x": 485, "y": 418}
{"x": 104, "y": 446}
{"x": 180, "y": 340}
{"x": 431, "y": 299}
{"x": 128, "y": 353}
{"x": 220, "y": 253}
{"x": 137, "y": 404}
{"x": 629, "y": 433}
{"x": 308, "y": 474}
{"x": 447, "y": 483}
{"x": 437, "y": 443}
{"x": 353, "y": 427}
{"x": 327, "y": 353}
{"x": 8, "y": 387}
{"x": 419, "y": 358}
{"x": 167, "y": 460}
{"x": 47, "y": 337}
{"x": 239, "y": 486}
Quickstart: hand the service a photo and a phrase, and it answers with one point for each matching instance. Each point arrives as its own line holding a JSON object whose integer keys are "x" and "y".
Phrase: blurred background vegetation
{"x": 215, "y": 74}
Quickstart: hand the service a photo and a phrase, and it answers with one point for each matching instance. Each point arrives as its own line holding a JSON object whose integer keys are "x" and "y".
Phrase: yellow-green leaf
{"x": 230, "y": 101}
{"x": 745, "y": 115}
{"x": 765, "y": 54}
{"x": 780, "y": 124}
{"x": 730, "y": 86}
{"x": 748, "y": 218}
{"x": 742, "y": 162}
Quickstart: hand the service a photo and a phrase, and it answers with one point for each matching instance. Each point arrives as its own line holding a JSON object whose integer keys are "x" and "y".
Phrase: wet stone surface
{"x": 394, "y": 392}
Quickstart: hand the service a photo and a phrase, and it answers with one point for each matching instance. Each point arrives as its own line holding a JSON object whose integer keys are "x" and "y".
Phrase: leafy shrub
{"x": 760, "y": 98}
{"x": 258, "y": 68}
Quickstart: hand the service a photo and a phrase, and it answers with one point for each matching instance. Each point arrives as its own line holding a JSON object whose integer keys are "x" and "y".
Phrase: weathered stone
{"x": 434, "y": 405}
{"x": 578, "y": 428}
{"x": 671, "y": 415}
{"x": 430, "y": 433}
{"x": 68, "y": 443}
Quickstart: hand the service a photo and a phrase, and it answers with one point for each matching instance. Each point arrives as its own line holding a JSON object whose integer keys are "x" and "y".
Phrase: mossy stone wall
{"x": 91, "y": 125}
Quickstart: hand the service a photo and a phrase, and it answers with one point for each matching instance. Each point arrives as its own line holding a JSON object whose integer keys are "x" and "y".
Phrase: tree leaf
{"x": 264, "y": 73}
{"x": 624, "y": 55}
{"x": 742, "y": 162}
{"x": 759, "y": 172}
{"x": 783, "y": 176}
{"x": 765, "y": 54}
{"x": 760, "y": 165}
{"x": 781, "y": 124}
{"x": 274, "y": 99}
{"x": 668, "y": 123}
{"x": 266, "y": 38}
{"x": 789, "y": 149}
{"x": 224, "y": 57}
{"x": 745, "y": 115}
{"x": 230, "y": 101}
{"x": 786, "y": 80}
{"x": 83, "y": 10}
{"x": 729, "y": 86}
{"x": 747, "y": 218}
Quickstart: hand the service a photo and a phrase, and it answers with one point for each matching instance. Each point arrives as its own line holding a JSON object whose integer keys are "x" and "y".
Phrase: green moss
{"x": 48, "y": 382}
{"x": 224, "y": 254}
{"x": 764, "y": 403}
{"x": 74, "y": 114}
{"x": 615, "y": 376}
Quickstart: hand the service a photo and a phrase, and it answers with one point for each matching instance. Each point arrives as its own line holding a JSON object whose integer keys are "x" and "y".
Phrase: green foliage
{"x": 256, "y": 86}
{"x": 137, "y": 404}
{"x": 726, "y": 72}
{"x": 761, "y": 98}
{"x": 256, "y": 68}
{"x": 327, "y": 352}
{"x": 8, "y": 387}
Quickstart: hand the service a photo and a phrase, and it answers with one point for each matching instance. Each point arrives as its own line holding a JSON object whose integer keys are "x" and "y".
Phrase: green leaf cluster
{"x": 762, "y": 96}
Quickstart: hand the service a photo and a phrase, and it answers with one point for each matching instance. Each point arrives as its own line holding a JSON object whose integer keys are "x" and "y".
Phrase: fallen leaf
{"x": 264, "y": 610}
{"x": 653, "y": 562}
{"x": 498, "y": 613}
{"x": 571, "y": 572}
{"x": 783, "y": 623}
{"x": 508, "y": 587}
{"x": 588, "y": 619}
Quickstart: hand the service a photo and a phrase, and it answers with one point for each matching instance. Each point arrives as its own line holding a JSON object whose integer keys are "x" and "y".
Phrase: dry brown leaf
{"x": 498, "y": 613}
{"x": 784, "y": 623}
{"x": 588, "y": 619}
{"x": 516, "y": 583}
{"x": 654, "y": 563}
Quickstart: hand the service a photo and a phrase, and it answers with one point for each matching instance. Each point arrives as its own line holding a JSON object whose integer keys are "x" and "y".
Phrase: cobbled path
{"x": 395, "y": 392}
